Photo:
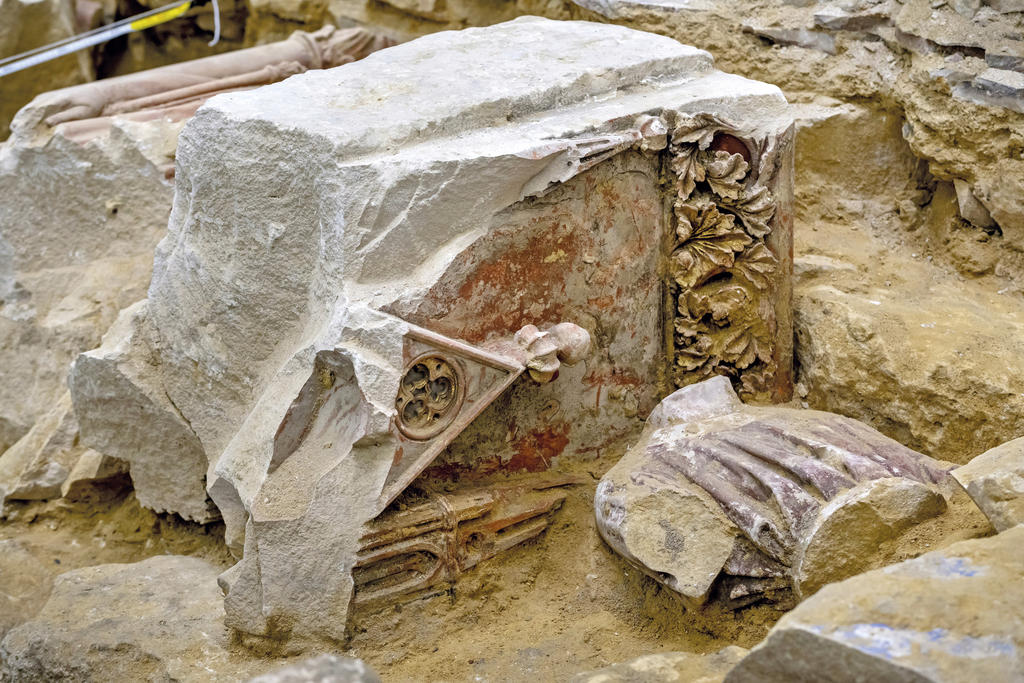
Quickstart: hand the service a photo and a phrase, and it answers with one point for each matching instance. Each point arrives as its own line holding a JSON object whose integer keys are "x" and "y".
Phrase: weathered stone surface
{"x": 759, "y": 503}
{"x": 953, "y": 615}
{"x": 995, "y": 482}
{"x": 62, "y": 288}
{"x": 24, "y": 585}
{"x": 669, "y": 667}
{"x": 91, "y": 471}
{"x": 462, "y": 229}
{"x": 28, "y": 24}
{"x": 160, "y": 619}
{"x": 921, "y": 359}
{"x": 322, "y": 669}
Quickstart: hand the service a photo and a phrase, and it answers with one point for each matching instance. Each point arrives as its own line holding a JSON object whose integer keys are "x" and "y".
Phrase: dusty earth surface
{"x": 545, "y": 610}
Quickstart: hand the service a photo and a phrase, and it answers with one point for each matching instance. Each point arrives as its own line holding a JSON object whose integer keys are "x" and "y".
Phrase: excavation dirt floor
{"x": 543, "y": 611}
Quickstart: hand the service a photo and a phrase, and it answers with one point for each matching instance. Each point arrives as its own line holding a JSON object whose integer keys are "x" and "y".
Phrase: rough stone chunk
{"x": 759, "y": 503}
{"x": 668, "y": 667}
{"x": 123, "y": 422}
{"x": 950, "y": 616}
{"x": 160, "y": 619}
{"x": 995, "y": 482}
{"x": 24, "y": 584}
{"x": 322, "y": 669}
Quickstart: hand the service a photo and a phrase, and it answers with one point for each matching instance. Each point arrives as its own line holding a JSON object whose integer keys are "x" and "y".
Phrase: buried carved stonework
{"x": 724, "y": 276}
{"x": 397, "y": 286}
{"x": 410, "y": 552}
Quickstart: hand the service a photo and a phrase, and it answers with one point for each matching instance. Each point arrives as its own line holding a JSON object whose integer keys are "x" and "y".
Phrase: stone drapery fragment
{"x": 759, "y": 503}
{"x": 344, "y": 241}
{"x": 175, "y": 92}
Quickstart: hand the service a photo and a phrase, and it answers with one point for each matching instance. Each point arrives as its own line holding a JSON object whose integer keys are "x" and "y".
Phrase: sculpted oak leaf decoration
{"x": 756, "y": 383}
{"x": 755, "y": 206}
{"x": 725, "y": 173}
{"x": 695, "y": 354}
{"x": 700, "y": 129}
{"x": 709, "y": 240}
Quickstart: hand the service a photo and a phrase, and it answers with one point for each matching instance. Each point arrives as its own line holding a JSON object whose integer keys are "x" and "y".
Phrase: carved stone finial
{"x": 546, "y": 351}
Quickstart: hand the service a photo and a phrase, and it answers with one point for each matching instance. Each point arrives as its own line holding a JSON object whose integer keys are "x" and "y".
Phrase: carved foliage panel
{"x": 721, "y": 270}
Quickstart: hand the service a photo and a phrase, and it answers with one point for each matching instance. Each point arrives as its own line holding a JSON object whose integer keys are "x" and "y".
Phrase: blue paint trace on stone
{"x": 888, "y": 642}
{"x": 938, "y": 566}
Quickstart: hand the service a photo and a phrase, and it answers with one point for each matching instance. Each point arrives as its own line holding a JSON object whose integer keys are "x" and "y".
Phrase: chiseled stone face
{"x": 539, "y": 226}
{"x": 720, "y": 500}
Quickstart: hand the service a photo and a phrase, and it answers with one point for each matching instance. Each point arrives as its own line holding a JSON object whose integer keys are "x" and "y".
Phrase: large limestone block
{"x": 37, "y": 465}
{"x": 954, "y": 615}
{"x": 28, "y": 24}
{"x": 485, "y": 200}
{"x": 668, "y": 667}
{"x": 995, "y": 481}
{"x": 160, "y": 619}
{"x": 744, "y": 504}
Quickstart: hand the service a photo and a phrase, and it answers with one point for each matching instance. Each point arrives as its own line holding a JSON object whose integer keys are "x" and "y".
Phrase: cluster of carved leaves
{"x": 721, "y": 267}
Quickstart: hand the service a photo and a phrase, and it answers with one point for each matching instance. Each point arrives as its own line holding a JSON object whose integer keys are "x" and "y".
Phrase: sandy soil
{"x": 543, "y": 611}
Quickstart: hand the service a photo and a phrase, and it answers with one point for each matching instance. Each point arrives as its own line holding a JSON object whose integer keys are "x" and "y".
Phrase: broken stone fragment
{"x": 38, "y": 465}
{"x": 950, "y": 616}
{"x": 122, "y": 417}
{"x": 759, "y": 503}
{"x": 668, "y": 667}
{"x": 159, "y": 619}
{"x": 322, "y": 669}
{"x": 995, "y": 482}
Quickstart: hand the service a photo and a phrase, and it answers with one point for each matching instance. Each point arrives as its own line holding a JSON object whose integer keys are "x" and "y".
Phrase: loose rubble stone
{"x": 160, "y": 619}
{"x": 322, "y": 669}
{"x": 921, "y": 360}
{"x": 423, "y": 234}
{"x": 24, "y": 585}
{"x": 668, "y": 667}
{"x": 759, "y": 503}
{"x": 37, "y": 465}
{"x": 995, "y": 482}
{"x": 953, "y": 615}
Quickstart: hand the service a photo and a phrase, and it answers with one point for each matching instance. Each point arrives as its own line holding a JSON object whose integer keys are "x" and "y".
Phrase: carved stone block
{"x": 442, "y": 263}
